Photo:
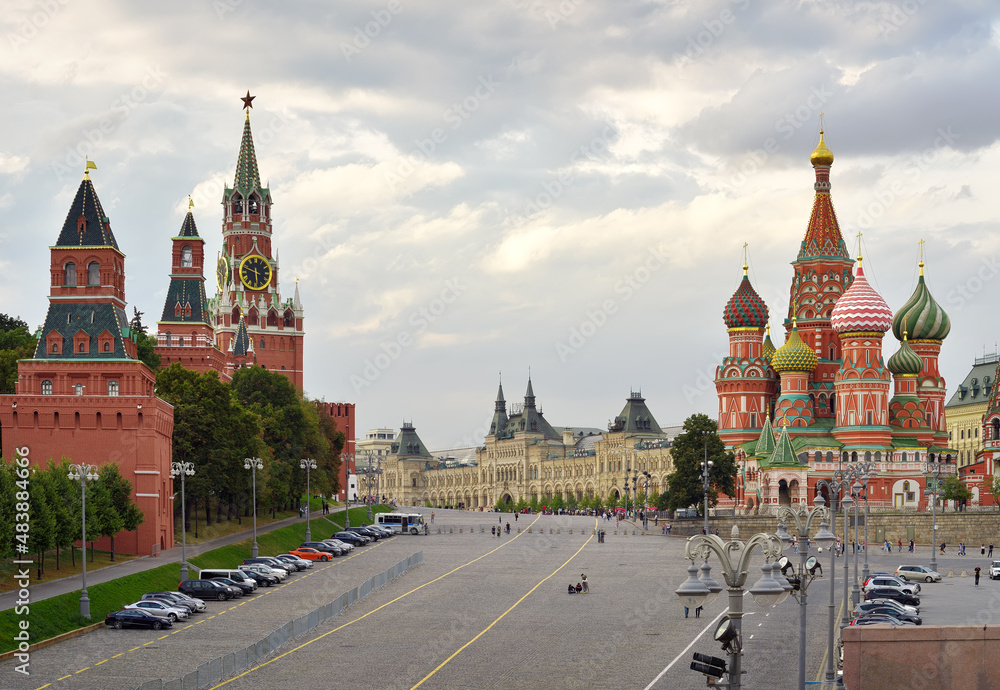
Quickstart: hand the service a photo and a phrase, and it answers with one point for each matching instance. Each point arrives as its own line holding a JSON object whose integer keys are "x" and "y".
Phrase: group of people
{"x": 499, "y": 530}
{"x": 582, "y": 587}
{"x": 961, "y": 549}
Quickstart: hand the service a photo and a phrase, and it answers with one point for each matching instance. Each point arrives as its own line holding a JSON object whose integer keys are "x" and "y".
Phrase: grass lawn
{"x": 66, "y": 569}
{"x": 358, "y": 517}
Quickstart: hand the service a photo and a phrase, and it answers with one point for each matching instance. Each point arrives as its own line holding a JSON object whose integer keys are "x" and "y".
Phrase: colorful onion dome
{"x": 861, "y": 308}
{"x": 922, "y": 316}
{"x": 768, "y": 349}
{"x": 745, "y": 309}
{"x": 821, "y": 155}
{"x": 905, "y": 361}
{"x": 794, "y": 355}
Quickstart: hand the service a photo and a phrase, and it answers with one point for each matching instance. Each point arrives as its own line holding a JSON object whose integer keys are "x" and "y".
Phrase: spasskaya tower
{"x": 247, "y": 273}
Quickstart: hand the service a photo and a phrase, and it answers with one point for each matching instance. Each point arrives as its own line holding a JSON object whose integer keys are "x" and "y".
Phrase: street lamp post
{"x": 933, "y": 493}
{"x": 348, "y": 458}
{"x": 625, "y": 490}
{"x": 856, "y": 489}
{"x": 824, "y": 538}
{"x": 734, "y": 557}
{"x": 706, "y": 467}
{"x": 254, "y": 464}
{"x": 83, "y": 474}
{"x": 182, "y": 470}
{"x": 867, "y": 471}
{"x": 834, "y": 487}
{"x": 308, "y": 464}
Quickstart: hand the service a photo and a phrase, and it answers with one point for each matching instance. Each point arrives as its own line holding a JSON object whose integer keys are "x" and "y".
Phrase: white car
{"x": 265, "y": 570}
{"x": 995, "y": 570}
{"x": 158, "y": 608}
{"x": 892, "y": 581}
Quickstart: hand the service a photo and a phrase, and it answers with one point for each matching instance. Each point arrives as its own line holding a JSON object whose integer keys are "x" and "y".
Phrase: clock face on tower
{"x": 222, "y": 273}
{"x": 255, "y": 272}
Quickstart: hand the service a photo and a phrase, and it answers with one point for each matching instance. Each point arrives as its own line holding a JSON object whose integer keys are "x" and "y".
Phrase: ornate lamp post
{"x": 734, "y": 556}
{"x": 348, "y": 458}
{"x": 834, "y": 487}
{"x": 254, "y": 464}
{"x": 83, "y": 474}
{"x": 706, "y": 467}
{"x": 856, "y": 488}
{"x": 807, "y": 567}
{"x": 933, "y": 493}
{"x": 182, "y": 470}
{"x": 307, "y": 464}
{"x": 625, "y": 490}
{"x": 867, "y": 472}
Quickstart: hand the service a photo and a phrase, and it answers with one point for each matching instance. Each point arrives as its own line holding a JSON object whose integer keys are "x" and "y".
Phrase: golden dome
{"x": 821, "y": 155}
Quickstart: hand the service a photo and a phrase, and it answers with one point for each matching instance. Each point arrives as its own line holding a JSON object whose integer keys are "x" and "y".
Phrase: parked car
{"x": 239, "y": 589}
{"x": 892, "y": 593}
{"x": 261, "y": 579}
{"x": 329, "y": 548}
{"x": 265, "y": 569}
{"x": 918, "y": 572}
{"x": 875, "y": 620}
{"x": 995, "y": 570}
{"x": 312, "y": 554}
{"x": 205, "y": 589}
{"x": 902, "y": 608}
{"x": 292, "y": 559}
{"x": 189, "y": 606}
{"x": 282, "y": 571}
{"x": 279, "y": 564}
{"x": 892, "y": 581}
{"x": 158, "y": 608}
{"x": 381, "y": 529}
{"x": 234, "y": 574}
{"x": 199, "y": 603}
{"x": 342, "y": 545}
{"x": 885, "y": 610}
{"x": 134, "y": 618}
{"x": 352, "y": 538}
{"x": 367, "y": 531}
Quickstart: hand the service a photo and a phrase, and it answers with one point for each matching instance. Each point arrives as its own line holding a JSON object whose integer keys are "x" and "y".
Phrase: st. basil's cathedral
{"x": 795, "y": 414}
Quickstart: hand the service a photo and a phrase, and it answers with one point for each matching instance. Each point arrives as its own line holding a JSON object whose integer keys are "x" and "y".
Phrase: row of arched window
{"x": 70, "y": 277}
{"x": 253, "y": 317}
{"x": 78, "y": 388}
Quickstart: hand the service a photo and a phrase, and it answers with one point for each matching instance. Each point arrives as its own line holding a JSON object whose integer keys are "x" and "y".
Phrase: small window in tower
{"x": 46, "y": 387}
{"x": 69, "y": 275}
{"x": 177, "y": 309}
{"x": 254, "y": 204}
{"x": 78, "y": 389}
{"x": 107, "y": 347}
{"x": 112, "y": 388}
{"x": 93, "y": 273}
{"x": 81, "y": 348}
{"x": 55, "y": 348}
{"x": 262, "y": 346}
{"x": 186, "y": 257}
{"x": 237, "y": 204}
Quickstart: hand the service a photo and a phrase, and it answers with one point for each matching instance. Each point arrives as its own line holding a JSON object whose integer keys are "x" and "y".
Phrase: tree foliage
{"x": 16, "y": 342}
{"x": 698, "y": 440}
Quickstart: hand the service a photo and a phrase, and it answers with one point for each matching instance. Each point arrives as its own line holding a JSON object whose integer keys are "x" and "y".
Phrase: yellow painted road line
{"x": 83, "y": 669}
{"x": 502, "y": 615}
{"x": 102, "y": 661}
{"x": 44, "y": 686}
{"x": 123, "y": 653}
{"x": 401, "y": 596}
{"x": 65, "y": 677}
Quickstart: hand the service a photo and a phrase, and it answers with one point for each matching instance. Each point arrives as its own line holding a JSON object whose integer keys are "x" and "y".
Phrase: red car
{"x": 310, "y": 554}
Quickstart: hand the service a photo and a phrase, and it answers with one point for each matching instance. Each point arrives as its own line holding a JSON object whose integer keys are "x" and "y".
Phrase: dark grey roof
{"x": 85, "y": 224}
{"x": 982, "y": 374}
{"x": 188, "y": 227}
{"x": 635, "y": 417}
{"x": 408, "y": 444}
{"x": 186, "y": 293}
{"x": 241, "y": 341}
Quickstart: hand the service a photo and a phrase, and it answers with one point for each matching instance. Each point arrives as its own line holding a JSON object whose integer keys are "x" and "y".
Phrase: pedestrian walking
{"x": 493, "y": 531}
{"x": 586, "y": 585}
{"x": 991, "y": 551}
{"x": 508, "y": 528}
{"x": 900, "y": 546}
{"x": 432, "y": 517}
{"x": 942, "y": 548}
{"x": 668, "y": 528}
{"x": 982, "y": 550}
{"x": 501, "y": 519}
{"x": 911, "y": 546}
{"x": 515, "y": 517}
{"x": 977, "y": 575}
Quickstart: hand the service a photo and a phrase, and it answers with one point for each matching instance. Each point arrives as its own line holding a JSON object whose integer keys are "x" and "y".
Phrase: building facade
{"x": 85, "y": 396}
{"x": 826, "y": 397}
{"x": 524, "y": 457}
{"x": 967, "y": 406}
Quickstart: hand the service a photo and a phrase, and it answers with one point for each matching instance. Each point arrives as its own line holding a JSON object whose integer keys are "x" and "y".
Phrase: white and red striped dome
{"x": 861, "y": 309}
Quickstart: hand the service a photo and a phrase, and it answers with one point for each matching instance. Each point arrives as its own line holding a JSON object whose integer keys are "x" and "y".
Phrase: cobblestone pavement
{"x": 472, "y": 609}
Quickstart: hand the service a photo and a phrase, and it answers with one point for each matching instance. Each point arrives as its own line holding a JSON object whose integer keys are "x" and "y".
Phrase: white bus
{"x": 401, "y": 522}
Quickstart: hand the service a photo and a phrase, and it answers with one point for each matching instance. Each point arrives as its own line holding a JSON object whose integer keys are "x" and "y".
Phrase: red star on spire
{"x": 247, "y": 100}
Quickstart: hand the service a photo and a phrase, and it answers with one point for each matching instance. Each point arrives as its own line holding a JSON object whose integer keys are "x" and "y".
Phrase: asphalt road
{"x": 489, "y": 612}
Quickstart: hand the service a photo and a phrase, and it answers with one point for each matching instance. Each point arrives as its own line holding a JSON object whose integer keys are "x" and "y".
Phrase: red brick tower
{"x": 248, "y": 274}
{"x": 184, "y": 332}
{"x": 84, "y": 396}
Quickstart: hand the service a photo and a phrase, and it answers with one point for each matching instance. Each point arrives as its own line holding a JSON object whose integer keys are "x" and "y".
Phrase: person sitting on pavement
{"x": 572, "y": 589}
{"x": 579, "y": 588}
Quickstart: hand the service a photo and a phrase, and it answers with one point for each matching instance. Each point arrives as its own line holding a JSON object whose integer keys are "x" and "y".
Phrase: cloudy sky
{"x": 466, "y": 189}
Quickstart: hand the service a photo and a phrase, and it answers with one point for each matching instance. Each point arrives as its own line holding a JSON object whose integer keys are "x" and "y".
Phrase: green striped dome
{"x": 768, "y": 349}
{"x": 922, "y": 317}
{"x": 905, "y": 361}
{"x": 794, "y": 355}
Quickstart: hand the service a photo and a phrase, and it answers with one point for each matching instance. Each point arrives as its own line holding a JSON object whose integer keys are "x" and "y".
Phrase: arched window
{"x": 187, "y": 259}
{"x": 78, "y": 389}
{"x": 46, "y": 387}
{"x": 93, "y": 273}
{"x": 254, "y": 205}
{"x": 237, "y": 204}
{"x": 252, "y": 316}
{"x": 906, "y": 486}
{"x": 262, "y": 346}
{"x": 289, "y": 318}
{"x": 55, "y": 348}
{"x": 272, "y": 317}
{"x": 82, "y": 347}
{"x": 69, "y": 275}
{"x": 996, "y": 429}
{"x": 112, "y": 388}
{"x": 168, "y": 339}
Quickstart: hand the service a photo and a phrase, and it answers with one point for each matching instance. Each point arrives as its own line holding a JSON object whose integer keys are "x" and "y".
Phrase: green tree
{"x": 119, "y": 492}
{"x": 521, "y": 505}
{"x": 8, "y": 492}
{"x": 145, "y": 351}
{"x": 62, "y": 496}
{"x": 534, "y": 504}
{"x": 41, "y": 523}
{"x": 700, "y": 438}
{"x": 954, "y": 489}
{"x": 16, "y": 342}
{"x": 556, "y": 502}
{"x": 995, "y": 490}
